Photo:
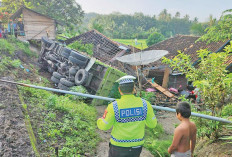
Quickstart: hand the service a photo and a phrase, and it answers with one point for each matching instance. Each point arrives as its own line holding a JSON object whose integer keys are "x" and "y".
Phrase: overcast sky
{"x": 194, "y": 8}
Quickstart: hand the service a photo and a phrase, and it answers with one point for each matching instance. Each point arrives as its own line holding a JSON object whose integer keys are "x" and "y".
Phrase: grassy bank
{"x": 141, "y": 43}
{"x": 61, "y": 123}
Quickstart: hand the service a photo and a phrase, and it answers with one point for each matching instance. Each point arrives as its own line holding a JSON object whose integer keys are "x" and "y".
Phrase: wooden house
{"x": 33, "y": 25}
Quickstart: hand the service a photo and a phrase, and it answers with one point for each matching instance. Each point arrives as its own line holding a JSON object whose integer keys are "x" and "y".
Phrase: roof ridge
{"x": 187, "y": 35}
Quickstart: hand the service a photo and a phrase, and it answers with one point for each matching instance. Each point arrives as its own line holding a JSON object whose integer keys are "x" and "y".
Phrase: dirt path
{"x": 168, "y": 121}
{"x": 14, "y": 139}
{"x": 103, "y": 147}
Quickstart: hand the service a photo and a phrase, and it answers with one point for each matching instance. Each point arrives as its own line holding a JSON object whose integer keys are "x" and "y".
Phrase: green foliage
{"x": 97, "y": 26}
{"x": 138, "y": 25}
{"x": 227, "y": 110}
{"x": 157, "y": 142}
{"x": 78, "y": 89}
{"x": 228, "y": 138}
{"x": 6, "y": 63}
{"x": 207, "y": 128}
{"x": 61, "y": 120}
{"x": 141, "y": 43}
{"x": 149, "y": 96}
{"x": 67, "y": 12}
{"x": 16, "y": 63}
{"x": 19, "y": 45}
{"x": 198, "y": 29}
{"x": 213, "y": 81}
{"x": 11, "y": 6}
{"x": 220, "y": 31}
{"x": 6, "y": 47}
{"x": 155, "y": 132}
{"x": 154, "y": 38}
{"x": 77, "y": 45}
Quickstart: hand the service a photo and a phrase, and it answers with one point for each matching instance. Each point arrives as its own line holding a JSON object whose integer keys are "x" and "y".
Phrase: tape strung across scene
{"x": 112, "y": 99}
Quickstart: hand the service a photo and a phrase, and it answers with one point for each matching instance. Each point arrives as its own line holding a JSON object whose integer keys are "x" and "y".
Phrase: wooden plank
{"x": 166, "y": 77}
{"x": 161, "y": 89}
{"x": 31, "y": 15}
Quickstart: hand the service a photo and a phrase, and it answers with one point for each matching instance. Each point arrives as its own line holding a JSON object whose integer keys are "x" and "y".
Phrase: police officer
{"x": 128, "y": 116}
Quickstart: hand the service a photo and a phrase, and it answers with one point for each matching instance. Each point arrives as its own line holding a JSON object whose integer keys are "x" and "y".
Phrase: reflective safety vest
{"x": 128, "y": 116}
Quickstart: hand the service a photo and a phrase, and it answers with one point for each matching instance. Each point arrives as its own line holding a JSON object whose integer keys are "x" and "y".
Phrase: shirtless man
{"x": 184, "y": 139}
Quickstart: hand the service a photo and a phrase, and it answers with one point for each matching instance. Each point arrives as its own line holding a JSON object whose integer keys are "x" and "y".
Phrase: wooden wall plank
{"x": 35, "y": 25}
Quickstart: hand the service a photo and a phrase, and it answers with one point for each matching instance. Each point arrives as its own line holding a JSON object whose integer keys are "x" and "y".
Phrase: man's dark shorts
{"x": 116, "y": 151}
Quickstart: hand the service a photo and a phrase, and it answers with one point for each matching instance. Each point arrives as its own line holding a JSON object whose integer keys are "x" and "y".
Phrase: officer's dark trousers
{"x": 116, "y": 151}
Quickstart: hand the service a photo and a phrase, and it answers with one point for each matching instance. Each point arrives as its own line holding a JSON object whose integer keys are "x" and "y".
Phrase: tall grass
{"x": 6, "y": 47}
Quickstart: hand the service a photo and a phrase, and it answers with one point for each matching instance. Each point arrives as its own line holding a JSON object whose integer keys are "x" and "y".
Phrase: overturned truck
{"x": 71, "y": 68}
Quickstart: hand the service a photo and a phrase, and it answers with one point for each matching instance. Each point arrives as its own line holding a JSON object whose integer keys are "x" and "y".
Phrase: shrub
{"x": 153, "y": 142}
{"x": 5, "y": 46}
{"x": 149, "y": 96}
{"x": 77, "y": 45}
{"x": 154, "y": 38}
{"x": 16, "y": 63}
{"x": 227, "y": 110}
{"x": 78, "y": 89}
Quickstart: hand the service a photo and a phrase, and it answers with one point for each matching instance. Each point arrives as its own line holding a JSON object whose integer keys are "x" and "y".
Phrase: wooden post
{"x": 166, "y": 77}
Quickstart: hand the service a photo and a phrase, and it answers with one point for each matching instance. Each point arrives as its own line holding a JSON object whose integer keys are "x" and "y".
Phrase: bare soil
{"x": 216, "y": 149}
{"x": 168, "y": 121}
{"x": 14, "y": 139}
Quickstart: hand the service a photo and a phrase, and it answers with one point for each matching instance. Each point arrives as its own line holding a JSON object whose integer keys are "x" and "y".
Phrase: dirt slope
{"x": 14, "y": 139}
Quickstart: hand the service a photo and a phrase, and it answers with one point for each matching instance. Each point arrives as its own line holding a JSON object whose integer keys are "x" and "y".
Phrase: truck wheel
{"x": 50, "y": 69}
{"x": 73, "y": 70}
{"x": 55, "y": 80}
{"x": 63, "y": 87}
{"x": 57, "y": 75}
{"x": 72, "y": 78}
{"x": 66, "y": 82}
{"x": 78, "y": 56}
{"x": 77, "y": 61}
{"x": 81, "y": 77}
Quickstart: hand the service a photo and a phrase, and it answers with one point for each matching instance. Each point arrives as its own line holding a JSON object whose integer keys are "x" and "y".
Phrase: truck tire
{"x": 55, "y": 80}
{"x": 78, "y": 56}
{"x": 73, "y": 70}
{"x": 72, "y": 78}
{"x": 50, "y": 69}
{"x": 57, "y": 75}
{"x": 63, "y": 87}
{"x": 77, "y": 61}
{"x": 81, "y": 77}
{"x": 66, "y": 82}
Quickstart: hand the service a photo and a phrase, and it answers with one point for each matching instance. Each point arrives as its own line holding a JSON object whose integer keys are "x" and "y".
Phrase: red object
{"x": 0, "y": 35}
{"x": 105, "y": 113}
{"x": 174, "y": 90}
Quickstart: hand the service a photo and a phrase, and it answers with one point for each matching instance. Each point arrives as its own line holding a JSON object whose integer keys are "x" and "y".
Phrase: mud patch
{"x": 14, "y": 139}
